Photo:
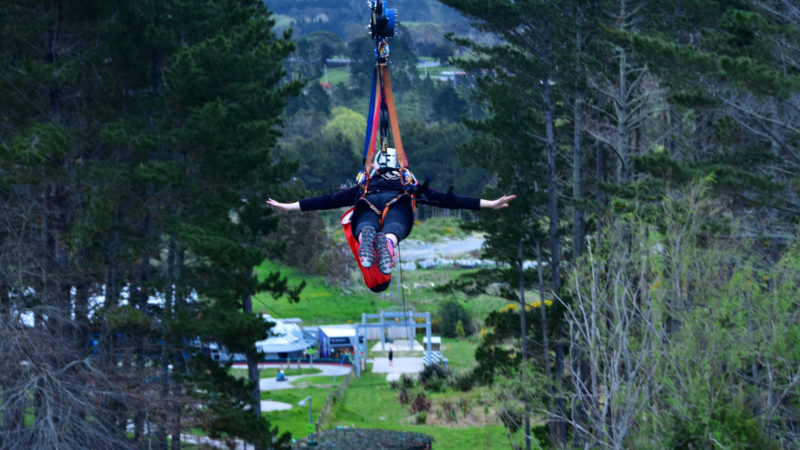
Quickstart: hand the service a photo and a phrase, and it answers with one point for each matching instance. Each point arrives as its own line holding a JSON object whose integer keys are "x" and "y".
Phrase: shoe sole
{"x": 385, "y": 256}
{"x": 366, "y": 247}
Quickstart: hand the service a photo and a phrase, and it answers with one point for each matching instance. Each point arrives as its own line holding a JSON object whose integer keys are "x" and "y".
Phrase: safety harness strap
{"x": 382, "y": 93}
{"x": 389, "y": 97}
{"x": 372, "y": 123}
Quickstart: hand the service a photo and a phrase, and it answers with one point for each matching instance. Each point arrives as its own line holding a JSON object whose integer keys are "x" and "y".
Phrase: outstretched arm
{"x": 501, "y": 202}
{"x": 284, "y": 206}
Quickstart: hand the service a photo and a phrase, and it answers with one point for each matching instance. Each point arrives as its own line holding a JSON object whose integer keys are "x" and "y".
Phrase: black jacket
{"x": 377, "y": 184}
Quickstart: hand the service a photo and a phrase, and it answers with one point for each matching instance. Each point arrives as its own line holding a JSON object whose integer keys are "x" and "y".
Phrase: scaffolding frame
{"x": 383, "y": 325}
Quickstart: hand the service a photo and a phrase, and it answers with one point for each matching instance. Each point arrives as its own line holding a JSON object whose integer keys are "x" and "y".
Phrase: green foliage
{"x": 139, "y": 144}
{"x": 371, "y": 402}
{"x": 434, "y": 377}
{"x": 350, "y": 125}
{"x": 314, "y": 49}
{"x": 452, "y": 313}
{"x": 431, "y": 149}
{"x": 499, "y": 351}
{"x": 463, "y": 381}
{"x": 460, "y": 330}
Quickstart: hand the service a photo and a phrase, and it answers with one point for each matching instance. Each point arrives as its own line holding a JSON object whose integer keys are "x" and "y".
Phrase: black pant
{"x": 399, "y": 219}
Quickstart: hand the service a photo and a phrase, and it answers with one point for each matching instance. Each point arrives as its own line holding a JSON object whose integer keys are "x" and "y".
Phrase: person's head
{"x": 386, "y": 161}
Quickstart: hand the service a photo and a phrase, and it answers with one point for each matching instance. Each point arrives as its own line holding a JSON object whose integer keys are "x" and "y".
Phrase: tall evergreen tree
{"x": 136, "y": 153}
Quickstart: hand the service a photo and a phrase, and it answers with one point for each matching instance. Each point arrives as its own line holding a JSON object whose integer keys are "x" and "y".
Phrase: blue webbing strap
{"x": 368, "y": 136}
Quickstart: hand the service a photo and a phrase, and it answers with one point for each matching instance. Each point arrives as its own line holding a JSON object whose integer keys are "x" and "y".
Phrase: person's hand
{"x": 284, "y": 206}
{"x": 501, "y": 202}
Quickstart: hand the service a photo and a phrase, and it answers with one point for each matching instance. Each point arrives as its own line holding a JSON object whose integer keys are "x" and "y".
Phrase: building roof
{"x": 434, "y": 339}
{"x": 338, "y": 330}
{"x": 285, "y": 337}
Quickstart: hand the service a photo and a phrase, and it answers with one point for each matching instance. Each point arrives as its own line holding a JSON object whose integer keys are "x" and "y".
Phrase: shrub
{"x": 436, "y": 385}
{"x": 406, "y": 381}
{"x": 464, "y": 404}
{"x": 449, "y": 411}
{"x": 434, "y": 377}
{"x": 451, "y": 312}
{"x": 421, "y": 417}
{"x": 420, "y": 403}
{"x": 460, "y": 329}
{"x": 402, "y": 396}
{"x": 463, "y": 381}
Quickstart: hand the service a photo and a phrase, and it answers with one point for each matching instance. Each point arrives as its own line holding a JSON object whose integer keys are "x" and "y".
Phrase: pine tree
{"x": 136, "y": 151}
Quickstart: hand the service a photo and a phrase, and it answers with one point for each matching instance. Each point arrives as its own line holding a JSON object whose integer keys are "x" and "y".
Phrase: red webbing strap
{"x": 398, "y": 143}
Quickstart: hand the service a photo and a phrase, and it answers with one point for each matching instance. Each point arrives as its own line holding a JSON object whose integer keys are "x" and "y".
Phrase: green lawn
{"x": 294, "y": 420}
{"x": 460, "y": 353}
{"x": 337, "y": 75}
{"x": 319, "y": 303}
{"x": 370, "y": 402}
{"x": 437, "y": 229}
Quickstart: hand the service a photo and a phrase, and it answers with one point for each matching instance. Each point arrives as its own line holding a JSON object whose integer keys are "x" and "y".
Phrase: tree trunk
{"x": 252, "y": 368}
{"x": 524, "y": 339}
{"x": 545, "y": 338}
{"x": 552, "y": 188}
{"x": 578, "y": 214}
{"x": 176, "y": 264}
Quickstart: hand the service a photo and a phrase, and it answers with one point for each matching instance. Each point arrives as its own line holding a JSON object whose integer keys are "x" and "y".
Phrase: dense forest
{"x": 652, "y": 146}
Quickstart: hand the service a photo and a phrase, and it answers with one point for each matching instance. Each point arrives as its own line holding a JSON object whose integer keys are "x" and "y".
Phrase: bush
{"x": 464, "y": 405}
{"x": 436, "y": 385}
{"x": 402, "y": 396}
{"x": 460, "y": 330}
{"x": 420, "y": 403}
{"x": 463, "y": 381}
{"x": 451, "y": 313}
{"x": 449, "y": 411}
{"x": 406, "y": 381}
{"x": 434, "y": 377}
{"x": 421, "y": 417}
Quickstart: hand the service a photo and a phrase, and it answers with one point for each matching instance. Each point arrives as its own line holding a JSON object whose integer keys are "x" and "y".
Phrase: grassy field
{"x": 370, "y": 402}
{"x": 319, "y": 303}
{"x": 337, "y": 75}
{"x": 323, "y": 304}
{"x": 294, "y": 420}
{"x": 460, "y": 354}
{"x": 437, "y": 229}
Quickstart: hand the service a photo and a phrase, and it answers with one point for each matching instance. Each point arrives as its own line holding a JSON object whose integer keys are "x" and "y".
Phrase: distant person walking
{"x": 391, "y": 355}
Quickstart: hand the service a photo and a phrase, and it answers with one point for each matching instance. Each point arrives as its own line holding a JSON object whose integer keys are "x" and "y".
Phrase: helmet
{"x": 386, "y": 161}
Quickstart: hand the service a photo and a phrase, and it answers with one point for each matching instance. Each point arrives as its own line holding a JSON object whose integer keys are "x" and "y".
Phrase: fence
{"x": 333, "y": 397}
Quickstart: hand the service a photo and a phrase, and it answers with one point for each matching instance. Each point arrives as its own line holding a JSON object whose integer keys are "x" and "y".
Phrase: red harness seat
{"x": 373, "y": 278}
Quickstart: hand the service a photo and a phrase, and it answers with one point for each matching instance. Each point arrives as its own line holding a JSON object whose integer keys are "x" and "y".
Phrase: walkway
{"x": 271, "y": 384}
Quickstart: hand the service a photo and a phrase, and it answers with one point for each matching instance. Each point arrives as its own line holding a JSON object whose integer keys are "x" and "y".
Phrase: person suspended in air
{"x": 382, "y": 213}
{"x": 384, "y": 200}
